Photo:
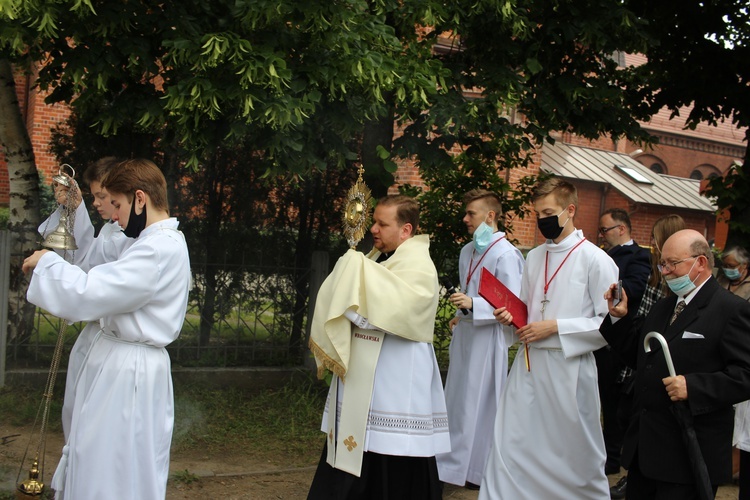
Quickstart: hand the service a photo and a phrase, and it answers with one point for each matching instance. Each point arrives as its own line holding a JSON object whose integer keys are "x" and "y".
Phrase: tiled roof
{"x": 609, "y": 167}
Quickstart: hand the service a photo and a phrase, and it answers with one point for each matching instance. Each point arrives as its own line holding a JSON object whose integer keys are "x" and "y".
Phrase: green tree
{"x": 209, "y": 74}
{"x": 318, "y": 84}
{"x": 300, "y": 80}
{"x": 697, "y": 56}
{"x": 517, "y": 74}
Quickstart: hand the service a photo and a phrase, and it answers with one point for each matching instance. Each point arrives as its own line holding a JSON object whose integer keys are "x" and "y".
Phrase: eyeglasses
{"x": 603, "y": 230}
{"x": 668, "y": 267}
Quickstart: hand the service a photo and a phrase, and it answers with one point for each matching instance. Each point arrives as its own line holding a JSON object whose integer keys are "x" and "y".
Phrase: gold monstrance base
{"x": 356, "y": 216}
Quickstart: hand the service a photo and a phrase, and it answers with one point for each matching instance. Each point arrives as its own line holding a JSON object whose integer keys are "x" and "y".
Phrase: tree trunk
{"x": 211, "y": 235}
{"x": 302, "y": 252}
{"x": 208, "y": 310}
{"x": 24, "y": 202}
{"x": 378, "y": 133}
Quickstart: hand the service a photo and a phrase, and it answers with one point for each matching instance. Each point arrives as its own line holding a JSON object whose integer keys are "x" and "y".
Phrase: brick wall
{"x": 682, "y": 156}
{"x": 643, "y": 217}
{"x": 407, "y": 173}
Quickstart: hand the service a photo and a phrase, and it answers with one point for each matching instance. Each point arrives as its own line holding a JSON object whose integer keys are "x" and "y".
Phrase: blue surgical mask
{"x": 482, "y": 237}
{"x": 732, "y": 274}
{"x": 682, "y": 285}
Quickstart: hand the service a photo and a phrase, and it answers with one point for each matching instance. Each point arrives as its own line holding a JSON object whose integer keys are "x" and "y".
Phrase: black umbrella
{"x": 681, "y": 412}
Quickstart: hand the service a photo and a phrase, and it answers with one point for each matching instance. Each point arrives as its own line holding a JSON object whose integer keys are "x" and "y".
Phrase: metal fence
{"x": 257, "y": 311}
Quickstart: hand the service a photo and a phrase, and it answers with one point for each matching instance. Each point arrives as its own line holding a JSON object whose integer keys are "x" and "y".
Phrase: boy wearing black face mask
{"x": 123, "y": 411}
{"x": 548, "y": 440}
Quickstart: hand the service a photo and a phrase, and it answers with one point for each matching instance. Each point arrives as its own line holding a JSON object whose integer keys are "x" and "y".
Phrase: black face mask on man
{"x": 136, "y": 222}
{"x": 550, "y": 226}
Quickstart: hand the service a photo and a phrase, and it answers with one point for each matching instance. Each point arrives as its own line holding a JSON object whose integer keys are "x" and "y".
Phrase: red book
{"x": 498, "y": 295}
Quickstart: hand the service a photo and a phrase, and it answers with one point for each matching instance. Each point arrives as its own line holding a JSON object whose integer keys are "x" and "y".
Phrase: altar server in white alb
{"x": 92, "y": 250}
{"x": 385, "y": 417}
{"x": 479, "y": 347}
{"x": 548, "y": 439}
{"x": 123, "y": 415}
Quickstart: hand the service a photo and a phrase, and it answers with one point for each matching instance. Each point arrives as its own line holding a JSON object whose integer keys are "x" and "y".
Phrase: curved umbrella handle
{"x": 658, "y": 336}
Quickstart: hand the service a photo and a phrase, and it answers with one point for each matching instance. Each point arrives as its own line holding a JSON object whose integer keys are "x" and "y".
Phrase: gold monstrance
{"x": 356, "y": 216}
{"x": 62, "y": 239}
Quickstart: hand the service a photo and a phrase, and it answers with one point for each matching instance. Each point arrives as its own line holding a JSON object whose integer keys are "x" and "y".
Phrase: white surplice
{"x": 123, "y": 411}
{"x": 407, "y": 415}
{"x": 548, "y": 439}
{"x": 478, "y": 363}
{"x": 741, "y": 438}
{"x": 107, "y": 246}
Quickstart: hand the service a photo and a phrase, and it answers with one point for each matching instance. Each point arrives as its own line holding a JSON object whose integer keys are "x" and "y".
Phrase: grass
{"x": 281, "y": 424}
{"x": 184, "y": 477}
{"x": 273, "y": 423}
{"x": 19, "y": 406}
{"x": 280, "y": 427}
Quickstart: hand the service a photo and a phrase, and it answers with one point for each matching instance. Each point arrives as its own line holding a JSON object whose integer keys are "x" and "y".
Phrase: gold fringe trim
{"x": 326, "y": 362}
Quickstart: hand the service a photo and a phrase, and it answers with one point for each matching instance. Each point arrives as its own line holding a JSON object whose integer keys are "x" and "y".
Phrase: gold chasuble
{"x": 398, "y": 296}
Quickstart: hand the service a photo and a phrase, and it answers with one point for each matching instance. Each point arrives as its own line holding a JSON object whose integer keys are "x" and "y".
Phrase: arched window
{"x": 705, "y": 171}
{"x": 653, "y": 163}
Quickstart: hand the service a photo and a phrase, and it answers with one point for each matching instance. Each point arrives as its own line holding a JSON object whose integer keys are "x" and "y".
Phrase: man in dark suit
{"x": 633, "y": 261}
{"x": 707, "y": 329}
{"x": 634, "y": 264}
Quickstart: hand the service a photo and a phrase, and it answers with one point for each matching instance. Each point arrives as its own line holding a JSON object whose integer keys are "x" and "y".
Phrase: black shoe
{"x": 471, "y": 486}
{"x": 618, "y": 490}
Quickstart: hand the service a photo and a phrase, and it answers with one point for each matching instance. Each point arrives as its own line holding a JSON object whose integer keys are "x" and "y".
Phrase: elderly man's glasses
{"x": 604, "y": 230}
{"x": 668, "y": 267}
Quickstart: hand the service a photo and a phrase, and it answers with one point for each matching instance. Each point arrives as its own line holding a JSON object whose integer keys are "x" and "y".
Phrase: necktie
{"x": 680, "y": 306}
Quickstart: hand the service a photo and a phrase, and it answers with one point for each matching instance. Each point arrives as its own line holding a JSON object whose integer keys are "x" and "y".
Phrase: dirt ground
{"x": 294, "y": 484}
{"x": 236, "y": 477}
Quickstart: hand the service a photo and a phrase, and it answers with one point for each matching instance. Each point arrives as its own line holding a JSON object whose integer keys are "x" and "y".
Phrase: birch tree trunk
{"x": 24, "y": 202}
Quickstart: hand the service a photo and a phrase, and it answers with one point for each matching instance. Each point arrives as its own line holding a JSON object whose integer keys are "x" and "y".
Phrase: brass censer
{"x": 60, "y": 239}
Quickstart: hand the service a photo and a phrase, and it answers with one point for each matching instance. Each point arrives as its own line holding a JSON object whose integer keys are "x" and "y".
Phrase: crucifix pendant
{"x": 544, "y": 305}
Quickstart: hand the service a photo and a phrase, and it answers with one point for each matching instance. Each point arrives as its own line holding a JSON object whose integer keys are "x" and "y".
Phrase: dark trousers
{"x": 641, "y": 487}
{"x": 614, "y": 404}
{"x": 744, "y": 475}
{"x": 383, "y": 477}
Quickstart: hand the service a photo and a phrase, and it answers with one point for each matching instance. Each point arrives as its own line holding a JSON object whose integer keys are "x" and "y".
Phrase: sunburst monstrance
{"x": 356, "y": 216}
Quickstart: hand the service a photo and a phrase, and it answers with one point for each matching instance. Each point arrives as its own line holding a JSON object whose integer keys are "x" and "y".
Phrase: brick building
{"x": 675, "y": 167}
{"x": 601, "y": 185}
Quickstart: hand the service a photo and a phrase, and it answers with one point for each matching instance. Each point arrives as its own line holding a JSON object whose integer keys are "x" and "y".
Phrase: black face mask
{"x": 550, "y": 226}
{"x": 136, "y": 222}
